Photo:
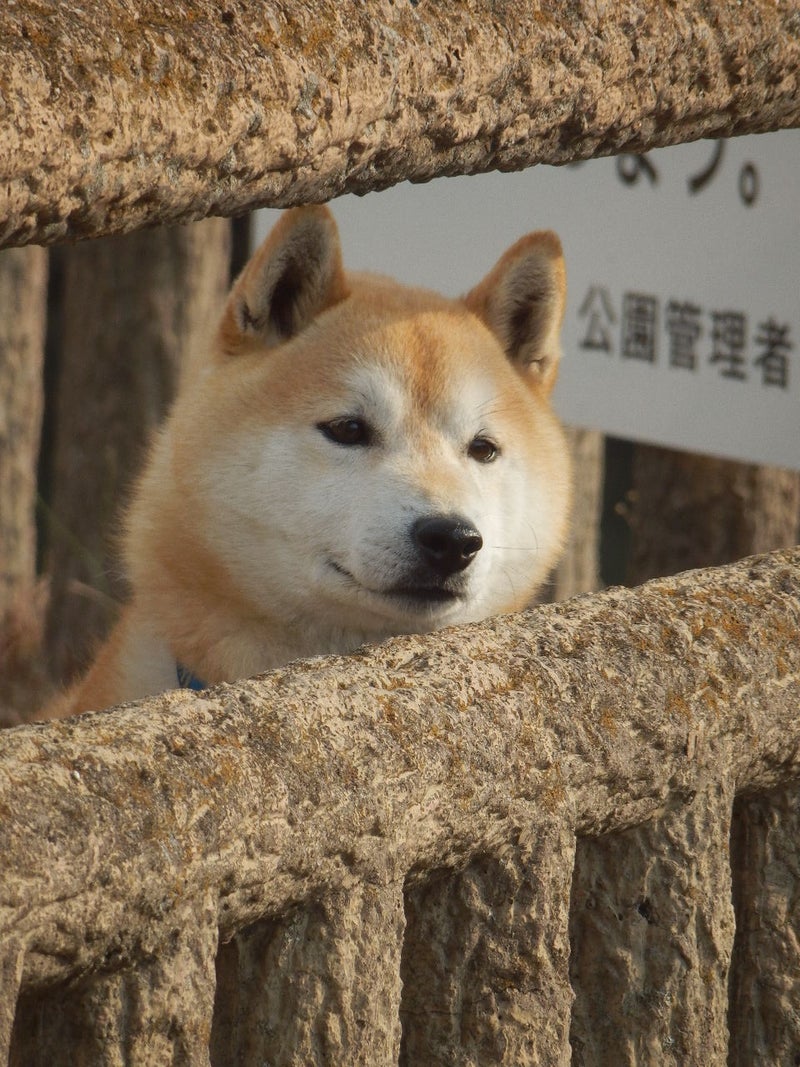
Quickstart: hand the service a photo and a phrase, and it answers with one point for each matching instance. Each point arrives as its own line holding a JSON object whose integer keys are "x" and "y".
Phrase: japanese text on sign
{"x": 686, "y": 336}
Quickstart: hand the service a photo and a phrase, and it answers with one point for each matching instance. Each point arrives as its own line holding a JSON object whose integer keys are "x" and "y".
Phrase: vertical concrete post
{"x": 330, "y": 974}
{"x": 652, "y": 936}
{"x": 158, "y": 1014}
{"x": 486, "y": 961}
{"x": 765, "y": 992}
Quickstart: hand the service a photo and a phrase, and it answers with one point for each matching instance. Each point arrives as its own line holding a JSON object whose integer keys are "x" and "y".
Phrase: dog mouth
{"x": 423, "y": 595}
{"x": 418, "y": 595}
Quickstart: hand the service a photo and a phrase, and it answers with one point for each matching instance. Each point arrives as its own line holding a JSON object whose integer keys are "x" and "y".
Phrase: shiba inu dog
{"x": 357, "y": 459}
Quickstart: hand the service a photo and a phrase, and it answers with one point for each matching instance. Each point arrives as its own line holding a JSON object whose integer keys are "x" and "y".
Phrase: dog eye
{"x": 347, "y": 430}
{"x": 482, "y": 450}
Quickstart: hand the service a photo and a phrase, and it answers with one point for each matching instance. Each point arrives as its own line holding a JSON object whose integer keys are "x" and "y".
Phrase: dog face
{"x": 362, "y": 459}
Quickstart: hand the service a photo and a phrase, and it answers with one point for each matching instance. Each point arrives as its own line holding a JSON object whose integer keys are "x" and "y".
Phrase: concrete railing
{"x": 120, "y": 113}
{"x": 569, "y": 835}
{"x": 516, "y": 842}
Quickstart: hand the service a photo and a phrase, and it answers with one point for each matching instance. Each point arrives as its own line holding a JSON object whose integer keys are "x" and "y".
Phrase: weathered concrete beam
{"x": 120, "y": 114}
{"x": 415, "y": 755}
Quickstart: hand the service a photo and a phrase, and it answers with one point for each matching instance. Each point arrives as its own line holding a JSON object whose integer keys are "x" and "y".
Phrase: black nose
{"x": 447, "y": 544}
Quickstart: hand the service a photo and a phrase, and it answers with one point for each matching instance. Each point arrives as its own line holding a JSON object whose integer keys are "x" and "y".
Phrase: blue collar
{"x": 187, "y": 680}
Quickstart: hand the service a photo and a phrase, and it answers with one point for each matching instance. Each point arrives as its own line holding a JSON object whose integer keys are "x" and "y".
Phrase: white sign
{"x": 683, "y": 319}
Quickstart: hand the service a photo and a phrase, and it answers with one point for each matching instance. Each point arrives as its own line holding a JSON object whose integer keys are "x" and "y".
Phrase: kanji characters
{"x": 773, "y": 338}
{"x": 639, "y": 317}
{"x": 694, "y": 337}
{"x": 597, "y": 308}
{"x": 683, "y": 325}
{"x": 728, "y": 339}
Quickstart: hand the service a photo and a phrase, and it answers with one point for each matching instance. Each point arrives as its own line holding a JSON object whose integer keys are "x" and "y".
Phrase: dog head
{"x": 363, "y": 458}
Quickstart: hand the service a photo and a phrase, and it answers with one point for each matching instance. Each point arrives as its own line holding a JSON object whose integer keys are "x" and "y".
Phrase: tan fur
{"x": 254, "y": 537}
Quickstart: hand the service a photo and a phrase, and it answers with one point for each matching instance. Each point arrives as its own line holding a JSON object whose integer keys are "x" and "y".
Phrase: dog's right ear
{"x": 295, "y": 274}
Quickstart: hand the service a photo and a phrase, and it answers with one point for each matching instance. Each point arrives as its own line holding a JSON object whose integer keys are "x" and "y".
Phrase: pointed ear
{"x": 522, "y": 302}
{"x": 295, "y": 274}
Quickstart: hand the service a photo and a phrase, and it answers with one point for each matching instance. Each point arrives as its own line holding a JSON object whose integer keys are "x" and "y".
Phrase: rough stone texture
{"x": 327, "y": 978}
{"x": 765, "y": 994}
{"x": 118, "y": 115}
{"x": 158, "y": 1014}
{"x": 486, "y": 959}
{"x": 426, "y": 754}
{"x": 137, "y": 311}
{"x": 652, "y": 934}
{"x": 12, "y": 958}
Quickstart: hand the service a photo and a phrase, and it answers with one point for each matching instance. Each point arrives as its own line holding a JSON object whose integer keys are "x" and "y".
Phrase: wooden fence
{"x": 568, "y": 836}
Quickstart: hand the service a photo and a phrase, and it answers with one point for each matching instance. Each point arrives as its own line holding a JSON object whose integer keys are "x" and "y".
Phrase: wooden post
{"x": 23, "y": 294}
{"x": 137, "y": 311}
{"x": 694, "y": 511}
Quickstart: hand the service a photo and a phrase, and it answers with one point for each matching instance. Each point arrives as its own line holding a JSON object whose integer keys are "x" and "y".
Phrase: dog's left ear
{"x": 295, "y": 274}
{"x": 522, "y": 302}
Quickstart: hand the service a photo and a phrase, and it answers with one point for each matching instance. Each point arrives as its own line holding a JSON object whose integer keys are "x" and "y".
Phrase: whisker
{"x": 508, "y": 577}
{"x": 521, "y": 548}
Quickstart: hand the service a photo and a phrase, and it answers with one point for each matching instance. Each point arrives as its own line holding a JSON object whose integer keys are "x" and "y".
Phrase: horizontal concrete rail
{"x": 137, "y": 838}
{"x": 120, "y": 113}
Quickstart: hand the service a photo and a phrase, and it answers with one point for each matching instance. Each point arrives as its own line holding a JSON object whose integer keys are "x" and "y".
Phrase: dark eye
{"x": 347, "y": 430}
{"x": 482, "y": 450}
